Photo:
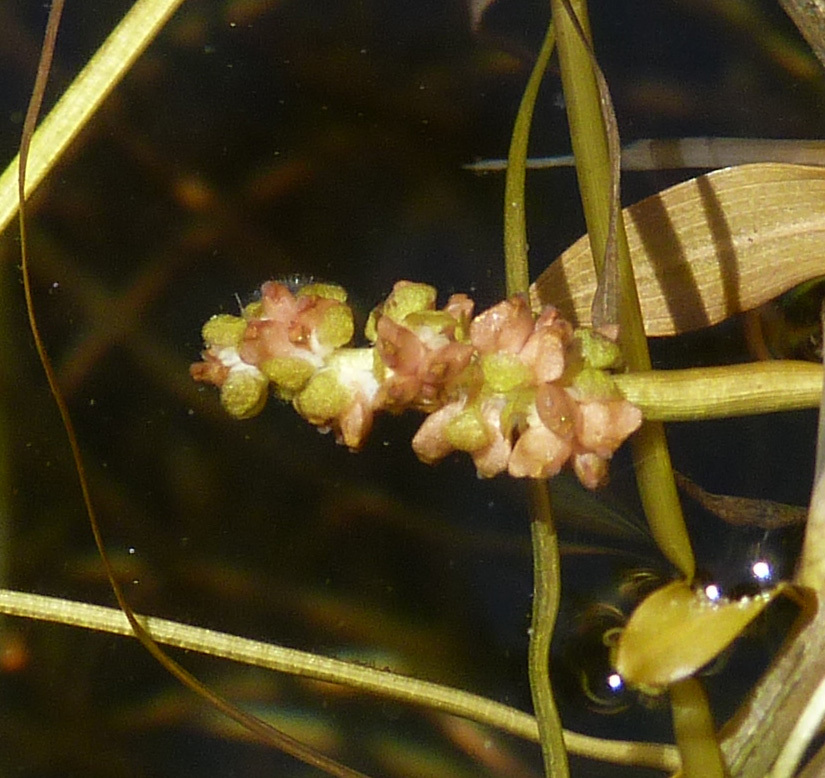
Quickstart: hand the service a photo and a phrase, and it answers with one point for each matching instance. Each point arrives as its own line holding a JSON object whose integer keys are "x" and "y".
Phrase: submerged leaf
{"x": 677, "y": 630}
{"x": 743, "y": 511}
{"x": 687, "y": 153}
{"x": 708, "y": 248}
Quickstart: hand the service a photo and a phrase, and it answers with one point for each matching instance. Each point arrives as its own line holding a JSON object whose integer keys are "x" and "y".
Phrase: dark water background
{"x": 261, "y": 139}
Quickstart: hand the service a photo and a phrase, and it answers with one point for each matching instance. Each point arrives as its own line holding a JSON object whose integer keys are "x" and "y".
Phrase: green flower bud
{"x": 595, "y": 384}
{"x": 336, "y": 327}
{"x": 327, "y": 291}
{"x": 504, "y": 372}
{"x": 253, "y": 310}
{"x": 438, "y": 321}
{"x": 467, "y": 431}
{"x": 243, "y": 394}
{"x": 323, "y": 398}
{"x": 408, "y": 297}
{"x": 597, "y": 350}
{"x": 289, "y": 374}
{"x": 223, "y": 330}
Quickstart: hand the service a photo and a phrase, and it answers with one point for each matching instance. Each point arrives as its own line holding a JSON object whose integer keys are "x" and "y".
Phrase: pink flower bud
{"x": 601, "y": 427}
{"x": 557, "y": 410}
{"x": 504, "y": 327}
{"x": 538, "y": 453}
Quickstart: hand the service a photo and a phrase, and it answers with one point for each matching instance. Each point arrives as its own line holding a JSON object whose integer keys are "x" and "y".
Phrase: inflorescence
{"x": 520, "y": 394}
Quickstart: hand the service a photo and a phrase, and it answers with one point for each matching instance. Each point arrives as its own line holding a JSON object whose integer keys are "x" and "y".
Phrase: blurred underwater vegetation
{"x": 261, "y": 139}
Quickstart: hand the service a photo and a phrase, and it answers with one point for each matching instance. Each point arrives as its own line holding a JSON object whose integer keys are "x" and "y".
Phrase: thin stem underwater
{"x": 546, "y": 599}
{"x": 80, "y": 101}
{"x": 261, "y": 730}
{"x": 517, "y": 270}
{"x": 381, "y": 683}
{"x": 546, "y": 559}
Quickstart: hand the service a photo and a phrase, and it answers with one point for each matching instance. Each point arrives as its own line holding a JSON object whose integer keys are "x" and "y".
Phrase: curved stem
{"x": 546, "y": 596}
{"x": 546, "y": 562}
{"x": 302, "y": 663}
{"x": 694, "y": 730}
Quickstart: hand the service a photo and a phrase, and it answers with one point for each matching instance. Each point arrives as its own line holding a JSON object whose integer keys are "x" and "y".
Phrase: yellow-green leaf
{"x": 705, "y": 249}
{"x": 677, "y": 630}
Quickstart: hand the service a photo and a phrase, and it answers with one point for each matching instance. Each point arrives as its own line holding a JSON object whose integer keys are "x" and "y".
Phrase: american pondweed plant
{"x": 554, "y": 377}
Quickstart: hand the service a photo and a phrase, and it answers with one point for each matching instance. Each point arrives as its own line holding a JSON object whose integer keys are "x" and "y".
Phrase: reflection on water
{"x": 257, "y": 140}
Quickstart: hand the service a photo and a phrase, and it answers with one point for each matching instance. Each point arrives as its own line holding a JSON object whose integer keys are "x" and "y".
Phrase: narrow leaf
{"x": 743, "y": 511}
{"x": 605, "y": 305}
{"x": 80, "y": 101}
{"x": 681, "y": 153}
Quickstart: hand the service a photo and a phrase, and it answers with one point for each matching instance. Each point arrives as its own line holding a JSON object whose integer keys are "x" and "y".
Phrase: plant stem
{"x": 546, "y": 560}
{"x": 694, "y": 730}
{"x": 78, "y": 104}
{"x": 593, "y": 168}
{"x": 546, "y": 596}
{"x": 719, "y": 392}
{"x": 301, "y": 663}
{"x": 811, "y": 569}
{"x": 515, "y": 230}
{"x": 762, "y": 727}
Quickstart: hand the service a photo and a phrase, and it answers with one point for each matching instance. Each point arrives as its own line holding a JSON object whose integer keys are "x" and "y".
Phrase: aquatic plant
{"x": 494, "y": 390}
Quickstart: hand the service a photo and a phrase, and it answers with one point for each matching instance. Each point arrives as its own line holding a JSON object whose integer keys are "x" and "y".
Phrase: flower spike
{"x": 520, "y": 395}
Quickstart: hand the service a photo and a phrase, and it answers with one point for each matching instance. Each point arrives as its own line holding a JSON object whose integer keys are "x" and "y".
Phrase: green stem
{"x": 79, "y": 102}
{"x": 720, "y": 392}
{"x": 515, "y": 228}
{"x": 588, "y": 135}
{"x": 381, "y": 683}
{"x": 546, "y": 561}
{"x": 546, "y": 596}
{"x": 694, "y": 730}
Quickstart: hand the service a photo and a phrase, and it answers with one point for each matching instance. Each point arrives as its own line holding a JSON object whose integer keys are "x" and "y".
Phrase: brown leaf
{"x": 743, "y": 511}
{"x": 708, "y": 248}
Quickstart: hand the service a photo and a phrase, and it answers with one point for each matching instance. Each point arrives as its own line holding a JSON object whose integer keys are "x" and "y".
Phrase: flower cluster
{"x": 520, "y": 394}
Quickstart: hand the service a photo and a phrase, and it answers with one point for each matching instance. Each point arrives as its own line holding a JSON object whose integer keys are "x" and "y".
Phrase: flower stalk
{"x": 546, "y": 555}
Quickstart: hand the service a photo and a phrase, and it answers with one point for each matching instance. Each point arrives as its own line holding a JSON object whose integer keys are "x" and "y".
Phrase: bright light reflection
{"x": 762, "y": 570}
{"x": 712, "y": 592}
{"x": 615, "y": 682}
